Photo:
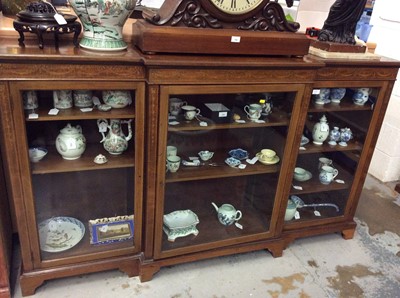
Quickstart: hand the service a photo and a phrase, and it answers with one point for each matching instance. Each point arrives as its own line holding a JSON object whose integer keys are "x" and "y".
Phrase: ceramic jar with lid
{"x": 71, "y": 143}
{"x": 320, "y": 131}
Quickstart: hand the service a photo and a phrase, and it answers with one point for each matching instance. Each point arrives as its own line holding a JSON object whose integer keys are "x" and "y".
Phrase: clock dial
{"x": 236, "y": 6}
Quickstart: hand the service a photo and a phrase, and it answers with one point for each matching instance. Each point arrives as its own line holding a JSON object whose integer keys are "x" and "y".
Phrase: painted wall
{"x": 385, "y": 164}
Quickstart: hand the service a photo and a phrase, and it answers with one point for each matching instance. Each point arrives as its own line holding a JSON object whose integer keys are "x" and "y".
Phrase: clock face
{"x": 236, "y": 7}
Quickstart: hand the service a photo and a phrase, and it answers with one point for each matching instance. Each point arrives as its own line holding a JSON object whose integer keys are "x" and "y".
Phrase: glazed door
{"x": 333, "y": 153}
{"x": 83, "y": 198}
{"x": 222, "y": 152}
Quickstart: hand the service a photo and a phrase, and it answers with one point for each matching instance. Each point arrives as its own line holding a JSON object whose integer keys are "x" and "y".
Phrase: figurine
{"x": 340, "y": 25}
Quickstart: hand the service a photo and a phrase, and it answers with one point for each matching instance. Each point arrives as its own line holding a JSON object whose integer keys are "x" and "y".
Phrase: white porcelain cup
{"x": 253, "y": 111}
{"x": 172, "y": 151}
{"x": 190, "y": 112}
{"x": 299, "y": 173}
{"x": 327, "y": 174}
{"x": 175, "y": 105}
{"x": 83, "y": 98}
{"x": 323, "y": 161}
{"x": 173, "y": 163}
{"x": 62, "y": 99}
{"x": 267, "y": 155}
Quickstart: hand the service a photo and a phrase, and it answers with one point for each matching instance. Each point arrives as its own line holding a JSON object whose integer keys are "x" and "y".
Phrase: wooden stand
{"x": 155, "y": 39}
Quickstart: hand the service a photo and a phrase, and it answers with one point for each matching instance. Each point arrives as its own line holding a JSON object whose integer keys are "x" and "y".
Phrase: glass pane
{"x": 330, "y": 152}
{"x": 71, "y": 191}
{"x": 235, "y": 134}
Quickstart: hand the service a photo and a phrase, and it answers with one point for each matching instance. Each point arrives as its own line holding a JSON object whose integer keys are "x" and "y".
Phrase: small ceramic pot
{"x": 117, "y": 99}
{"x": 334, "y": 136}
{"x": 323, "y": 96}
{"x": 71, "y": 143}
{"x": 337, "y": 94}
{"x": 361, "y": 96}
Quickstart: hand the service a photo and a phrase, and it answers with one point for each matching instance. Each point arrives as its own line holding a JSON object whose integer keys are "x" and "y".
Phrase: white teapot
{"x": 71, "y": 143}
{"x": 227, "y": 214}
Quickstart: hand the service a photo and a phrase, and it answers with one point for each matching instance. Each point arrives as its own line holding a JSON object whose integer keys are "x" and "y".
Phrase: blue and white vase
{"x": 345, "y": 135}
{"x": 102, "y": 22}
{"x": 337, "y": 94}
{"x": 334, "y": 136}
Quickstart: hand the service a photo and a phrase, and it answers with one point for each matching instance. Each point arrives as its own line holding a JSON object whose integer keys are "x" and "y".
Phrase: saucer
{"x": 307, "y": 176}
{"x": 273, "y": 161}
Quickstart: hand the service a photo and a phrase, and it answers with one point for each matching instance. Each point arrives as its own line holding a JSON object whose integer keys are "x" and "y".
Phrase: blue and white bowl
{"x": 232, "y": 162}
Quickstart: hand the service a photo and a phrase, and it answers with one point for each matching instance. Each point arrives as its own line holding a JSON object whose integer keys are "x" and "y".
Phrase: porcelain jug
{"x": 71, "y": 143}
{"x": 115, "y": 142}
{"x": 227, "y": 214}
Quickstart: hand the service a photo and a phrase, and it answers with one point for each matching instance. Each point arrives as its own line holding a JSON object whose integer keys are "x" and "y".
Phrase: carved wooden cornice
{"x": 191, "y": 13}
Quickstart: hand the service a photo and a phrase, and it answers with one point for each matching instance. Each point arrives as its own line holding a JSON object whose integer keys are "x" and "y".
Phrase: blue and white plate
{"x": 232, "y": 162}
{"x": 239, "y": 154}
{"x": 60, "y": 233}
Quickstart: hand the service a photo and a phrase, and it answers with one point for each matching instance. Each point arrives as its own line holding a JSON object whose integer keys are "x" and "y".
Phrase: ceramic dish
{"x": 60, "y": 233}
{"x": 37, "y": 154}
{"x": 273, "y": 161}
{"x": 239, "y": 154}
{"x": 304, "y": 176}
{"x": 232, "y": 162}
{"x": 180, "y": 223}
{"x": 304, "y": 140}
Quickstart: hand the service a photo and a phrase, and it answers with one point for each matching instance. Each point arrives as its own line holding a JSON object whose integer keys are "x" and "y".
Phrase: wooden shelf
{"x": 211, "y": 230}
{"x": 221, "y": 171}
{"x": 277, "y": 118}
{"x": 54, "y": 163}
{"x": 314, "y": 185}
{"x": 77, "y": 114}
{"x": 312, "y": 148}
{"x": 345, "y": 105}
{"x": 84, "y": 248}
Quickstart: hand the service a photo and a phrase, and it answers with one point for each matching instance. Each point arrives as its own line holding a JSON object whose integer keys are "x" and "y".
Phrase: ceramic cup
{"x": 117, "y": 99}
{"x": 83, "y": 98}
{"x": 205, "y": 155}
{"x": 190, "y": 112}
{"x": 324, "y": 96}
{"x": 323, "y": 161}
{"x": 30, "y": 100}
{"x": 361, "y": 96}
{"x": 327, "y": 174}
{"x": 337, "y": 94}
{"x": 173, "y": 163}
{"x": 172, "y": 151}
{"x": 175, "y": 105}
{"x": 267, "y": 155}
{"x": 300, "y": 174}
{"x": 62, "y": 99}
{"x": 253, "y": 111}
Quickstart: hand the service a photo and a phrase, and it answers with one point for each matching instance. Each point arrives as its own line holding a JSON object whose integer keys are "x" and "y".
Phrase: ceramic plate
{"x": 180, "y": 219}
{"x": 273, "y": 161}
{"x": 239, "y": 153}
{"x": 60, "y": 233}
{"x": 232, "y": 162}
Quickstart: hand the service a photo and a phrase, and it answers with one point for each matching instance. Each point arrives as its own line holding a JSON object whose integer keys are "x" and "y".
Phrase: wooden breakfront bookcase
{"x": 137, "y": 183}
